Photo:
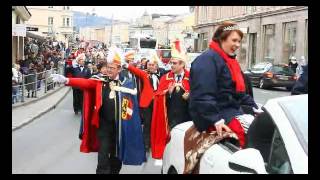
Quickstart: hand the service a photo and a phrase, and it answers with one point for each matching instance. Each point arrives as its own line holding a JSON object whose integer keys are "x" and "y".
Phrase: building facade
{"x": 182, "y": 26}
{"x": 160, "y": 29}
{"x": 55, "y": 22}
{"x": 20, "y": 14}
{"x": 271, "y": 33}
{"x": 117, "y": 33}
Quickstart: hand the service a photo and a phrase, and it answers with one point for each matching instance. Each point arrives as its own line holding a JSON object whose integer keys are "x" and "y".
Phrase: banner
{"x": 19, "y": 30}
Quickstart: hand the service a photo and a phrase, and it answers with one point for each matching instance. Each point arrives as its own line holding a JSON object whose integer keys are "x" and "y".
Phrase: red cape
{"x": 160, "y": 132}
{"x": 92, "y": 101}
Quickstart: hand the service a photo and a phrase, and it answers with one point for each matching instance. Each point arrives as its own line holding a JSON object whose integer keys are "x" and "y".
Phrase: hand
{"x": 220, "y": 126}
{"x": 171, "y": 87}
{"x": 59, "y": 78}
{"x": 124, "y": 64}
{"x": 185, "y": 96}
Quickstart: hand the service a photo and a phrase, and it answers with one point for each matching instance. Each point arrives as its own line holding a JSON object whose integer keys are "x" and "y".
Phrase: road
{"x": 261, "y": 96}
{"x": 50, "y": 144}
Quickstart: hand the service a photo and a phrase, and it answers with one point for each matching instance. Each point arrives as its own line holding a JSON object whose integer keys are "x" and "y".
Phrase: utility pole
{"x": 111, "y": 30}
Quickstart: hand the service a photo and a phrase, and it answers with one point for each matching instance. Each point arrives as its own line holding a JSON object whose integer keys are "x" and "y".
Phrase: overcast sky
{"x": 131, "y": 12}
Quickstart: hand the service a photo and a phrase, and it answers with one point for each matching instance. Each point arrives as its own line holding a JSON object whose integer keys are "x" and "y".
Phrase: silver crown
{"x": 230, "y": 28}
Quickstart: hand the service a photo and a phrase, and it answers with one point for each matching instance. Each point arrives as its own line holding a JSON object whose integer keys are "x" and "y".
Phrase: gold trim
{"x": 167, "y": 77}
{"x": 165, "y": 116}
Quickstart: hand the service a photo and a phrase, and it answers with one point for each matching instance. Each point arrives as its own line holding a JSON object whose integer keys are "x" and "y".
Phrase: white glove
{"x": 59, "y": 78}
{"x": 258, "y": 111}
{"x": 124, "y": 64}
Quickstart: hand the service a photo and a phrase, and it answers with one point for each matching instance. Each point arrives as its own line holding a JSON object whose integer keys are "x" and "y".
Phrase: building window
{"x": 289, "y": 40}
{"x": 306, "y": 42}
{"x": 269, "y": 42}
{"x": 204, "y": 40}
{"x": 68, "y": 22}
{"x": 50, "y": 20}
{"x": 242, "y": 56}
{"x": 50, "y": 7}
{"x": 18, "y": 19}
{"x": 254, "y": 8}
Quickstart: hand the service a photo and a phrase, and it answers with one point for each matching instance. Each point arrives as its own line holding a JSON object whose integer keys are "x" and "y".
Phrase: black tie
{"x": 179, "y": 76}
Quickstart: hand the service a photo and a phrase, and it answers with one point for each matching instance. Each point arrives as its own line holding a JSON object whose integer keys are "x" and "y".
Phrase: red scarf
{"x": 233, "y": 66}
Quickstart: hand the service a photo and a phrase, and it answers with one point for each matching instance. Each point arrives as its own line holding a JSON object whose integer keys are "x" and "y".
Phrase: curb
{"x": 29, "y": 120}
{"x": 39, "y": 98}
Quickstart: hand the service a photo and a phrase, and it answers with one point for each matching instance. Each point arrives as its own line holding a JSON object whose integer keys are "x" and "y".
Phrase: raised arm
{"x": 138, "y": 72}
{"x": 82, "y": 83}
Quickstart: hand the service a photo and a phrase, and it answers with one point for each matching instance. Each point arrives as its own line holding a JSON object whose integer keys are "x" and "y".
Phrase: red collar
{"x": 233, "y": 66}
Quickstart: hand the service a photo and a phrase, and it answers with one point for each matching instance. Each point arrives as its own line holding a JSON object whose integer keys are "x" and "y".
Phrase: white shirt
{"x": 155, "y": 81}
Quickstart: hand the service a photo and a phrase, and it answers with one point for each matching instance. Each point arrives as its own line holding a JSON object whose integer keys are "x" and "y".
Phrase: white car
{"x": 277, "y": 143}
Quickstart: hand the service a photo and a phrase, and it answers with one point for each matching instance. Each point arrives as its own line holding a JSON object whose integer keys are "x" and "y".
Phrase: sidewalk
{"x": 40, "y": 94}
{"x": 26, "y": 113}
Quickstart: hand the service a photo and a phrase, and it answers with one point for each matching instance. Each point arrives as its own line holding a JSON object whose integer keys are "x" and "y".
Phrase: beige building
{"x": 182, "y": 26}
{"x": 160, "y": 29}
{"x": 52, "y": 21}
{"x": 116, "y": 34}
{"x": 272, "y": 33}
{"x": 20, "y": 14}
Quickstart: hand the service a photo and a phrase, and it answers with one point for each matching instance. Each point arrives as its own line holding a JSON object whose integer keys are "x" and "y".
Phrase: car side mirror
{"x": 248, "y": 71}
{"x": 247, "y": 160}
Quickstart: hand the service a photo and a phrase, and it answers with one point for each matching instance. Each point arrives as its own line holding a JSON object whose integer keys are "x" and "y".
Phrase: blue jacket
{"x": 212, "y": 92}
{"x": 301, "y": 85}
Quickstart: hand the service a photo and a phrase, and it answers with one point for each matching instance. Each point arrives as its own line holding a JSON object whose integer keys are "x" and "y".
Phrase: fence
{"x": 35, "y": 85}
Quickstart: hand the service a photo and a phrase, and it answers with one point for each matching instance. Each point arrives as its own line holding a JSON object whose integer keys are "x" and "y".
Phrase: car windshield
{"x": 259, "y": 67}
{"x": 282, "y": 70}
{"x": 297, "y": 113}
{"x": 166, "y": 54}
{"x": 147, "y": 43}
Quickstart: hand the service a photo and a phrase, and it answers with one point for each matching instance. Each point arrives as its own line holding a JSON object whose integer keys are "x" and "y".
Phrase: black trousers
{"x": 147, "y": 117}
{"x": 77, "y": 99}
{"x": 108, "y": 163}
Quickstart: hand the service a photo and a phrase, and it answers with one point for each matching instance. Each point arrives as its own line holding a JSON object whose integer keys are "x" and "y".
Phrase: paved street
{"x": 50, "y": 144}
{"x": 261, "y": 96}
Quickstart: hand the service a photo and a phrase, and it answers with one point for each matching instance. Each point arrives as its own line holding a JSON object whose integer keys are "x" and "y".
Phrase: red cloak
{"x": 160, "y": 132}
{"x": 147, "y": 93}
{"x": 92, "y": 101}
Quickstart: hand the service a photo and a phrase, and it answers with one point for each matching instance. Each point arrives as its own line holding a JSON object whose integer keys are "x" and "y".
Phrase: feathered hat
{"x": 154, "y": 58}
{"x": 81, "y": 56}
{"x": 114, "y": 56}
{"x": 129, "y": 55}
{"x": 177, "y": 51}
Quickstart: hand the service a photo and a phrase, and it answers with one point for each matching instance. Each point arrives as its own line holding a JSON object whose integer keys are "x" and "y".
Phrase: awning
{"x": 35, "y": 36}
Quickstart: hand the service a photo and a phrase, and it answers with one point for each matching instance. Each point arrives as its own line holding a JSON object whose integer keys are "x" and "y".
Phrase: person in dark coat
{"x": 217, "y": 87}
{"x": 293, "y": 64}
{"x": 30, "y": 80}
{"x": 301, "y": 86}
{"x": 79, "y": 72}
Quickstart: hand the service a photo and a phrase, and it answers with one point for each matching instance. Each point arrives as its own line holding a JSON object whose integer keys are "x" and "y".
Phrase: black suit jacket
{"x": 77, "y": 73}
